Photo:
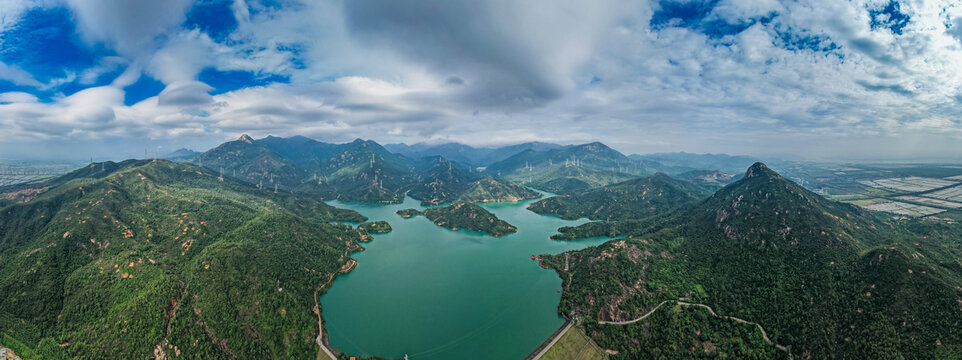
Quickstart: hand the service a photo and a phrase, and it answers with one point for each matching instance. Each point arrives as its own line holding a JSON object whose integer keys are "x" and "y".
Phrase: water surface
{"x": 433, "y": 293}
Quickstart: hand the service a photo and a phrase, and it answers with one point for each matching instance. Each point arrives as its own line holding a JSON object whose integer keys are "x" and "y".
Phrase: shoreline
{"x": 550, "y": 341}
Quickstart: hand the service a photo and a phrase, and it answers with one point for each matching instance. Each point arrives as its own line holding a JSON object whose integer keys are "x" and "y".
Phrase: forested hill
{"x": 632, "y": 199}
{"x": 824, "y": 279}
{"x": 361, "y": 170}
{"x": 443, "y": 181}
{"x": 569, "y": 168}
{"x": 464, "y": 216}
{"x": 155, "y": 258}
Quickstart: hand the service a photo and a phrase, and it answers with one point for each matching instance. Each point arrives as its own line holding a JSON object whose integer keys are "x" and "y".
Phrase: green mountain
{"x": 441, "y": 181}
{"x": 569, "y": 168}
{"x": 488, "y": 189}
{"x": 444, "y": 181}
{"x": 467, "y": 155}
{"x": 364, "y": 171}
{"x": 824, "y": 280}
{"x": 357, "y": 171}
{"x": 632, "y": 199}
{"x": 464, "y": 216}
{"x": 251, "y": 161}
{"x": 154, "y": 258}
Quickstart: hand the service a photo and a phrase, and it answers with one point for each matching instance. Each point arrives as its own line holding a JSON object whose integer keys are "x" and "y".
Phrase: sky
{"x": 807, "y": 79}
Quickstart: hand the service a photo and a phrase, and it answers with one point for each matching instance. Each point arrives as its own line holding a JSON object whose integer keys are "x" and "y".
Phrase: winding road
{"x": 323, "y": 352}
{"x": 710, "y": 310}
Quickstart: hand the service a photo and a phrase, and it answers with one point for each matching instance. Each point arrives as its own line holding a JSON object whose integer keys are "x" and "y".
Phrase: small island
{"x": 492, "y": 190}
{"x": 464, "y": 215}
{"x": 407, "y": 213}
{"x": 375, "y": 227}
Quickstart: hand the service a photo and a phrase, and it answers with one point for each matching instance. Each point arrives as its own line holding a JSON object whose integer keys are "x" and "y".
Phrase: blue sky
{"x": 859, "y": 79}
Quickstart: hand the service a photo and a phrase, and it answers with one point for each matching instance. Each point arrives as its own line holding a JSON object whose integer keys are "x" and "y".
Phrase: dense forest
{"x": 361, "y": 170}
{"x": 464, "y": 216}
{"x": 824, "y": 279}
{"x": 375, "y": 227}
{"x": 153, "y": 258}
{"x": 629, "y": 200}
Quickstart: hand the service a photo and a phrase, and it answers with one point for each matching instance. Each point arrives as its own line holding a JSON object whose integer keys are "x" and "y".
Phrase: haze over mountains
{"x": 365, "y": 170}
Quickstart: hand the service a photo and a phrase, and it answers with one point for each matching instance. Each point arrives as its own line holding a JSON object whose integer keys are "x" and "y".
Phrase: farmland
{"x": 909, "y": 184}
{"x": 20, "y": 172}
{"x": 909, "y": 190}
{"x": 901, "y": 208}
{"x": 574, "y": 345}
{"x": 950, "y": 194}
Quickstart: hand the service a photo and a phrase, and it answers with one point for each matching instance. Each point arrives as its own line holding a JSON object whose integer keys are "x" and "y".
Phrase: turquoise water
{"x": 432, "y": 293}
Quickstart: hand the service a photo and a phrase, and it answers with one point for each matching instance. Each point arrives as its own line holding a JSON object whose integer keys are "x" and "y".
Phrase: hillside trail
{"x": 710, "y": 310}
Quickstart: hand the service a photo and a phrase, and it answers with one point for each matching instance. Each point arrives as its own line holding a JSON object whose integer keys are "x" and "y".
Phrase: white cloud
{"x": 131, "y": 27}
{"x": 17, "y": 97}
{"x": 569, "y": 71}
{"x": 18, "y": 76}
{"x": 185, "y": 94}
{"x": 738, "y": 11}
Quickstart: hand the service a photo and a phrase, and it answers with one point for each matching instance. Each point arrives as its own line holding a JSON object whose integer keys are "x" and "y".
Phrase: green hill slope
{"x": 167, "y": 257}
{"x": 824, "y": 279}
{"x": 569, "y": 168}
{"x": 632, "y": 199}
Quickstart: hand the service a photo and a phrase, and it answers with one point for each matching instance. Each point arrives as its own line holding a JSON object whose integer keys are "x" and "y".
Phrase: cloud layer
{"x": 837, "y": 79}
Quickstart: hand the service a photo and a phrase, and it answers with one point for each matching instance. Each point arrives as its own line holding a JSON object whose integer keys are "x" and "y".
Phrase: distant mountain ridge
{"x": 465, "y": 154}
{"x": 182, "y": 154}
{"x": 679, "y": 162}
{"x": 361, "y": 170}
{"x": 569, "y": 168}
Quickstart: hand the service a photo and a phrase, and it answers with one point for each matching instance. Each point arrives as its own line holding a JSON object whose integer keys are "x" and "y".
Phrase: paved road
{"x": 556, "y": 338}
{"x": 320, "y": 334}
{"x": 710, "y": 310}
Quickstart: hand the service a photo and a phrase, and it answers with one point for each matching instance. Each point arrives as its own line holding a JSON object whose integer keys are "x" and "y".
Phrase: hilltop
{"x": 825, "y": 279}
{"x": 152, "y": 258}
{"x": 632, "y": 199}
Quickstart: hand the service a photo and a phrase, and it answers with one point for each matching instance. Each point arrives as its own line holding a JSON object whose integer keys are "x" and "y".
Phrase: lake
{"x": 432, "y": 293}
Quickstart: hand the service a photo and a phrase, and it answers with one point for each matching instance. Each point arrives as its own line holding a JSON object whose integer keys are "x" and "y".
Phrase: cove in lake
{"x": 432, "y": 293}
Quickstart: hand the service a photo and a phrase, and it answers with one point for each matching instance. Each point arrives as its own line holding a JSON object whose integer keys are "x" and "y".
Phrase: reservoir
{"x": 432, "y": 293}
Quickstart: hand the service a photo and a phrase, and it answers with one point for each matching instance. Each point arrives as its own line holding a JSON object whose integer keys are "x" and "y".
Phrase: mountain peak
{"x": 246, "y": 138}
{"x": 596, "y": 146}
{"x": 760, "y": 170}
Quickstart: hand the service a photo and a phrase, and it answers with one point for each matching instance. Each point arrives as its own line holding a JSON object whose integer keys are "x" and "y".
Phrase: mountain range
{"x": 363, "y": 170}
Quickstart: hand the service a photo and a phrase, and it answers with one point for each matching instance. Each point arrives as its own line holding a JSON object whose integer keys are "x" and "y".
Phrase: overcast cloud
{"x": 808, "y": 79}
